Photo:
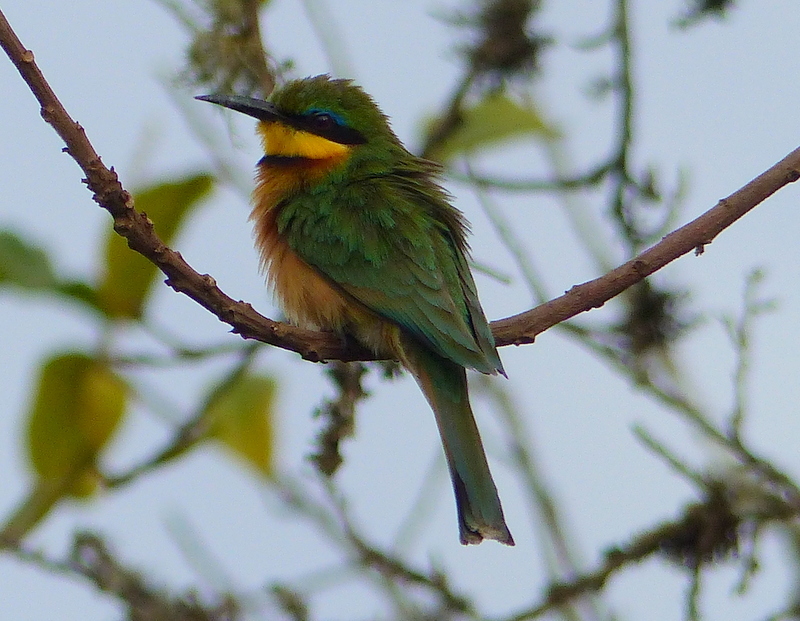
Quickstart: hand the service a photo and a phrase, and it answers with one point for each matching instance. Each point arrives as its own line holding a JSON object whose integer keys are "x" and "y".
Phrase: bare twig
{"x": 557, "y": 184}
{"x": 695, "y": 235}
{"x": 703, "y": 533}
{"x": 91, "y": 560}
{"x": 740, "y": 333}
{"x": 620, "y": 176}
{"x": 190, "y": 433}
{"x": 339, "y": 415}
{"x": 677, "y": 464}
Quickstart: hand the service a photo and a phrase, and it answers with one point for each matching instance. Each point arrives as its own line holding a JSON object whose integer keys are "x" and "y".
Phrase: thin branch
{"x": 505, "y": 231}
{"x": 317, "y": 346}
{"x": 705, "y": 532}
{"x": 419, "y": 512}
{"x": 177, "y": 357}
{"x": 190, "y": 433}
{"x": 677, "y": 464}
{"x": 693, "y": 596}
{"x": 692, "y": 414}
{"x": 393, "y": 568}
{"x": 335, "y": 523}
{"x": 257, "y": 58}
{"x": 91, "y": 560}
{"x": 624, "y": 85}
{"x": 695, "y": 235}
{"x": 558, "y": 184}
{"x": 339, "y": 415}
{"x": 451, "y": 119}
{"x": 740, "y": 333}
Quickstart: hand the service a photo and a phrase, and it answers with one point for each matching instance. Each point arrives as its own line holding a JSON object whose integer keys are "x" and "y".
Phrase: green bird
{"x": 357, "y": 236}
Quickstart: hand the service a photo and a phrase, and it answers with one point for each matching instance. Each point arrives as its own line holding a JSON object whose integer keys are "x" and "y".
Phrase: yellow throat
{"x": 279, "y": 140}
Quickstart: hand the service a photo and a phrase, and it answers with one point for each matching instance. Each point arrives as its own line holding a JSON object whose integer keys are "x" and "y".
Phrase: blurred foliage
{"x": 91, "y": 557}
{"x": 655, "y": 318}
{"x": 226, "y": 54}
{"x": 338, "y": 414}
{"x": 81, "y": 398}
{"x": 708, "y": 532}
{"x": 24, "y": 265}
{"x": 495, "y": 120}
{"x": 241, "y": 417}
{"x": 702, "y": 9}
{"x": 78, "y": 404}
{"x": 27, "y": 266}
{"x": 503, "y": 43}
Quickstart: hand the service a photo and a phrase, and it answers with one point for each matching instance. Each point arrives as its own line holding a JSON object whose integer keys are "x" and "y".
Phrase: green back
{"x": 393, "y": 242}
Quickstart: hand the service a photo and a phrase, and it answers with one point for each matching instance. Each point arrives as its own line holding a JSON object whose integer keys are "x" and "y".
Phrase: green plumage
{"x": 380, "y": 229}
{"x": 395, "y": 245}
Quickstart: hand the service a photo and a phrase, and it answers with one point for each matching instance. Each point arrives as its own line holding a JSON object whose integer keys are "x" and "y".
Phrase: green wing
{"x": 395, "y": 244}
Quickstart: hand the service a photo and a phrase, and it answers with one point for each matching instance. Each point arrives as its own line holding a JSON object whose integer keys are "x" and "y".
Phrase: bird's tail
{"x": 444, "y": 384}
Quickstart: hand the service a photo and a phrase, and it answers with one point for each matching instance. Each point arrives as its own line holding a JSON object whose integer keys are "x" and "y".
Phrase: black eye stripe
{"x": 325, "y": 125}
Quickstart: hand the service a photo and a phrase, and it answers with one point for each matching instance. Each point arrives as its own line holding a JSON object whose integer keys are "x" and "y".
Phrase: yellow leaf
{"x": 78, "y": 405}
{"x": 495, "y": 119}
{"x": 241, "y": 415}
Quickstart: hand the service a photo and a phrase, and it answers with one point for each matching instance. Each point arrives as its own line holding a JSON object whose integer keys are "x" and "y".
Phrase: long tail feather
{"x": 444, "y": 383}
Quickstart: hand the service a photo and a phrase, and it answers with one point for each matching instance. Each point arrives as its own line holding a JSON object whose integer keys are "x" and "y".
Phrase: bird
{"x": 357, "y": 236}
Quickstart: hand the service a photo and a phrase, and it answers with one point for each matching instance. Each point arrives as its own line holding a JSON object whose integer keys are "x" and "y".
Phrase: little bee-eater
{"x": 356, "y": 236}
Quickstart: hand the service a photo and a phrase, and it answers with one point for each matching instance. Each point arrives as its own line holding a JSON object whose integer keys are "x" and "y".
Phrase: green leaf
{"x": 241, "y": 415}
{"x": 78, "y": 405}
{"x": 494, "y": 120}
{"x": 79, "y": 291}
{"x": 24, "y": 264}
{"x": 128, "y": 276}
{"x": 28, "y": 266}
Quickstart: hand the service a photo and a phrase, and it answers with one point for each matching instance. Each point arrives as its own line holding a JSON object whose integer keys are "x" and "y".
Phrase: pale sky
{"x": 718, "y": 100}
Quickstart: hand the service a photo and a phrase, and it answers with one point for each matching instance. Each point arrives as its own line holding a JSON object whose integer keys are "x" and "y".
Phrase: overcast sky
{"x": 719, "y": 101}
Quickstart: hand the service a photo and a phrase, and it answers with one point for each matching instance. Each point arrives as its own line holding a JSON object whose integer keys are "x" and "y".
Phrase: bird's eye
{"x": 323, "y": 120}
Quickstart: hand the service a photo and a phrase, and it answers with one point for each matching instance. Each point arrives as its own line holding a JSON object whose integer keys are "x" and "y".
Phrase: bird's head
{"x": 317, "y": 118}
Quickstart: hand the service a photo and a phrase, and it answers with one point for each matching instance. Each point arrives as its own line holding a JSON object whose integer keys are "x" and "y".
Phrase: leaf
{"x": 28, "y": 266}
{"x": 78, "y": 405}
{"x": 128, "y": 276}
{"x": 79, "y": 291}
{"x": 241, "y": 415}
{"x": 24, "y": 264}
{"x": 494, "y": 120}
{"x": 703, "y": 9}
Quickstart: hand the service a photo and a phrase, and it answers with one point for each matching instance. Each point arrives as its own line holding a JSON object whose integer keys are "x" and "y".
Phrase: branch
{"x": 695, "y": 235}
{"x": 705, "y": 532}
{"x": 137, "y": 229}
{"x": 91, "y": 559}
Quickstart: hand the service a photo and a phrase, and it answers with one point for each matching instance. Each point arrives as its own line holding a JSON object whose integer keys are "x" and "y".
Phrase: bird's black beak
{"x": 257, "y": 108}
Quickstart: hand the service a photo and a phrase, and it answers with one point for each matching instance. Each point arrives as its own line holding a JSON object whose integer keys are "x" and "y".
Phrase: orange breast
{"x": 306, "y": 297}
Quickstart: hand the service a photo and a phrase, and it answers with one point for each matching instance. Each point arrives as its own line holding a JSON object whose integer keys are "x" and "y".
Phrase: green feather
{"x": 444, "y": 384}
{"x": 395, "y": 245}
